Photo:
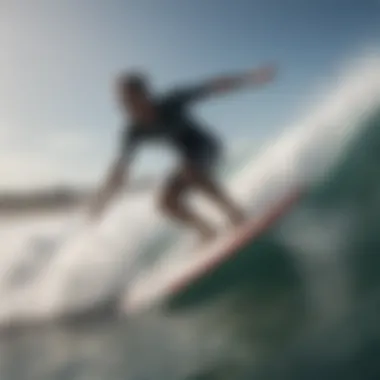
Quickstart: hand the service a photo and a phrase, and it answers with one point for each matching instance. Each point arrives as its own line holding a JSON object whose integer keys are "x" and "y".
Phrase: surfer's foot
{"x": 237, "y": 218}
{"x": 206, "y": 235}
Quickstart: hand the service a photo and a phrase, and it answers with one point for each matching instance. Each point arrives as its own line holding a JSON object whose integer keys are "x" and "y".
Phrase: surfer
{"x": 167, "y": 118}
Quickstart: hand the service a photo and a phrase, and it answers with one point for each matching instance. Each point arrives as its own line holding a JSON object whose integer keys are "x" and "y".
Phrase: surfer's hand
{"x": 94, "y": 213}
{"x": 96, "y": 209}
{"x": 263, "y": 74}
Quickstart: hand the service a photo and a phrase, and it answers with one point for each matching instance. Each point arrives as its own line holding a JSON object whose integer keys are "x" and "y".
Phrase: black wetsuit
{"x": 195, "y": 145}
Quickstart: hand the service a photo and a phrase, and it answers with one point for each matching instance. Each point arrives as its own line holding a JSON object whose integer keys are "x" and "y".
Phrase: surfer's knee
{"x": 170, "y": 198}
{"x": 168, "y": 202}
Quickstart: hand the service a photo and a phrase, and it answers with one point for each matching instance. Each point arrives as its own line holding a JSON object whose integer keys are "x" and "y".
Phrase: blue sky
{"x": 58, "y": 118}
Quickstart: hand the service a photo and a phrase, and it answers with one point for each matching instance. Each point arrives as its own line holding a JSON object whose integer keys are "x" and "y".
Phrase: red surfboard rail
{"x": 246, "y": 233}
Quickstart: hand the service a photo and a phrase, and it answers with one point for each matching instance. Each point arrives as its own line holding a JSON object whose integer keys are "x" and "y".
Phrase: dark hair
{"x": 134, "y": 81}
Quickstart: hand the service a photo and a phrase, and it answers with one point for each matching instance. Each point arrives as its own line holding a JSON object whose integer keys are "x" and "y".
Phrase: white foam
{"x": 96, "y": 263}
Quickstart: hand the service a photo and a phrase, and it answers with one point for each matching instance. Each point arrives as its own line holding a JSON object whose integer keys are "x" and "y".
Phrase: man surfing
{"x": 167, "y": 118}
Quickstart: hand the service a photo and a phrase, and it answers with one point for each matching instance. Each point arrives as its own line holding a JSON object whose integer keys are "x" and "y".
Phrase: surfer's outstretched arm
{"x": 256, "y": 77}
{"x": 224, "y": 84}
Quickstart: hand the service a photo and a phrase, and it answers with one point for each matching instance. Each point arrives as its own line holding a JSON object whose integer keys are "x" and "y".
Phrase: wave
{"x": 55, "y": 267}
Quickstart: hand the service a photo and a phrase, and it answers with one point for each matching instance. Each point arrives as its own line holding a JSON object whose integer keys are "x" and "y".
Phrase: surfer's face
{"x": 137, "y": 101}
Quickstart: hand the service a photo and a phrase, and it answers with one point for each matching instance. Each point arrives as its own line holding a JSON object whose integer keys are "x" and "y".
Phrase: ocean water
{"x": 71, "y": 294}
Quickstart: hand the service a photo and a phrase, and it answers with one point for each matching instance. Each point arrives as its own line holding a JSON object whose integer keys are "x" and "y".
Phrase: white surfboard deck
{"x": 174, "y": 274}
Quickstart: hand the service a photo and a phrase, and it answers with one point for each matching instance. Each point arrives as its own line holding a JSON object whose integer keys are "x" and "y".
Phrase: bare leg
{"x": 173, "y": 205}
{"x": 217, "y": 194}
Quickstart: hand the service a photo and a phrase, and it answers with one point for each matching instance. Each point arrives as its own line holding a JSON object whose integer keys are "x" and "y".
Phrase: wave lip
{"x": 98, "y": 268}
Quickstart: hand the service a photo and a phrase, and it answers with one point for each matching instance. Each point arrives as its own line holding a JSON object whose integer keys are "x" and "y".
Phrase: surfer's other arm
{"x": 115, "y": 180}
{"x": 117, "y": 175}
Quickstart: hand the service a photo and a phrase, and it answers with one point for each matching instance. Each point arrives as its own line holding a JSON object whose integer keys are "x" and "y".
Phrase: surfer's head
{"x": 135, "y": 95}
{"x": 133, "y": 87}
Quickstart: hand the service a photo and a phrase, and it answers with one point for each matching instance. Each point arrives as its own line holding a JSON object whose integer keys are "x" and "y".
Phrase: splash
{"x": 93, "y": 267}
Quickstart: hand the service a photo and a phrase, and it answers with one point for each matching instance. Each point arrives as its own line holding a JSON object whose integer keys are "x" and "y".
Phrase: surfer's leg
{"x": 210, "y": 186}
{"x": 200, "y": 172}
{"x": 172, "y": 203}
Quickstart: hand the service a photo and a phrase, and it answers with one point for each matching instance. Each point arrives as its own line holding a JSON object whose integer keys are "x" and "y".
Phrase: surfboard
{"x": 175, "y": 278}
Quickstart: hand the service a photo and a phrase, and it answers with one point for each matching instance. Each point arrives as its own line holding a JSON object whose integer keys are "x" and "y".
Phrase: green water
{"x": 283, "y": 313}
